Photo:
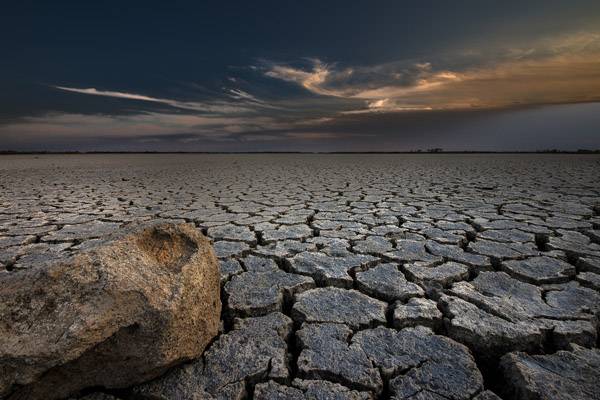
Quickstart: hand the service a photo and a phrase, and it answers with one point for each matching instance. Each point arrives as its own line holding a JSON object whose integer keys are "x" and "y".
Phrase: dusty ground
{"x": 385, "y": 276}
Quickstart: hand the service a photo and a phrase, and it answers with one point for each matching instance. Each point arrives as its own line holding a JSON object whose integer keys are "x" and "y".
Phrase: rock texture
{"x": 498, "y": 253}
{"x": 307, "y": 390}
{"x": 339, "y": 305}
{"x": 255, "y": 348}
{"x": 569, "y": 375}
{"x": 417, "y": 312}
{"x": 118, "y": 313}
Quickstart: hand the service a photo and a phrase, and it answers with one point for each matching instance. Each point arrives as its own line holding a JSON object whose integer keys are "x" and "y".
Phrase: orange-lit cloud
{"x": 556, "y": 70}
{"x": 551, "y": 71}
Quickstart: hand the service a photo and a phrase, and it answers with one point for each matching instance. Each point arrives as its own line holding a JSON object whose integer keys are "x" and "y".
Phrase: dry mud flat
{"x": 352, "y": 277}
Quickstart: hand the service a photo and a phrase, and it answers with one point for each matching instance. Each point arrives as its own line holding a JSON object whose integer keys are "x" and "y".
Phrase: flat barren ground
{"x": 352, "y": 276}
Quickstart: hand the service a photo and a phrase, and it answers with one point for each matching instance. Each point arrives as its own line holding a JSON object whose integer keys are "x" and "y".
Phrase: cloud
{"x": 339, "y": 101}
{"x": 314, "y": 80}
{"x": 66, "y": 125}
{"x": 222, "y": 107}
{"x": 564, "y": 69}
{"x": 239, "y": 94}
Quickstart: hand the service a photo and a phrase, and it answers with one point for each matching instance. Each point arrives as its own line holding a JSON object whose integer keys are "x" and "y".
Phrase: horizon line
{"x": 429, "y": 151}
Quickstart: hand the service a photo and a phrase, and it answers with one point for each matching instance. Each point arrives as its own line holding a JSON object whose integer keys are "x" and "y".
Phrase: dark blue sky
{"x": 336, "y": 75}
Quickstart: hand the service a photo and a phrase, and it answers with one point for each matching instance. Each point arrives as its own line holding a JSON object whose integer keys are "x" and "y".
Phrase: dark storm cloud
{"x": 307, "y": 76}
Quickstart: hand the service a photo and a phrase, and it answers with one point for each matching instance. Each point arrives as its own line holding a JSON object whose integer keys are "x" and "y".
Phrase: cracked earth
{"x": 352, "y": 276}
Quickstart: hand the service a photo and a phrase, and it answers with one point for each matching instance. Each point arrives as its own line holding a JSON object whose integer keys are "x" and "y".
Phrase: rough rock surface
{"x": 417, "y": 312}
{"x": 530, "y": 245}
{"x": 307, "y": 390}
{"x": 411, "y": 361}
{"x": 495, "y": 313}
{"x": 251, "y": 294}
{"x": 349, "y": 307}
{"x": 569, "y": 375}
{"x": 441, "y": 275}
{"x": 326, "y": 354}
{"x": 386, "y": 282}
{"x": 327, "y": 270}
{"x": 255, "y": 349}
{"x": 540, "y": 270}
{"x": 116, "y": 314}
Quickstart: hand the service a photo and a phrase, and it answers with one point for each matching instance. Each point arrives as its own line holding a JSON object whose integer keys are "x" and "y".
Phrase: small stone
{"x": 8, "y": 241}
{"x": 232, "y": 232}
{"x": 274, "y": 391}
{"x": 415, "y": 360}
{"x": 483, "y": 224}
{"x": 287, "y": 232}
{"x": 387, "y": 230}
{"x": 373, "y": 245}
{"x": 573, "y": 248}
{"x": 507, "y": 236}
{"x": 574, "y": 300}
{"x": 99, "y": 396}
{"x": 283, "y": 249}
{"x": 36, "y": 255}
{"x": 326, "y": 270}
{"x": 502, "y": 250}
{"x": 324, "y": 390}
{"x": 386, "y": 282}
{"x": 259, "y": 264}
{"x": 589, "y": 279}
{"x": 591, "y": 264}
{"x": 443, "y": 274}
{"x": 506, "y": 297}
{"x": 581, "y": 332}
{"x": 455, "y": 253}
{"x": 539, "y": 270}
{"x": 594, "y": 234}
{"x": 488, "y": 335}
{"x": 326, "y": 354}
{"x": 85, "y": 231}
{"x": 411, "y": 250}
{"x": 417, "y": 311}
{"x": 225, "y": 248}
{"x": 229, "y": 268}
{"x": 337, "y": 305}
{"x": 487, "y": 395}
{"x": 443, "y": 236}
{"x": 251, "y": 294}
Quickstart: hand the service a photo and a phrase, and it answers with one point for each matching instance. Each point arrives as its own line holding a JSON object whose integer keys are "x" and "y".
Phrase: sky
{"x": 300, "y": 75}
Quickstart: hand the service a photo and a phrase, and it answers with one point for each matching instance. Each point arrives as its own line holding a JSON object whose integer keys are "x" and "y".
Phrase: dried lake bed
{"x": 352, "y": 276}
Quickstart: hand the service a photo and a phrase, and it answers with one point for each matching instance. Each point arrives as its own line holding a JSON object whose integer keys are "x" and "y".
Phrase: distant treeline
{"x": 418, "y": 151}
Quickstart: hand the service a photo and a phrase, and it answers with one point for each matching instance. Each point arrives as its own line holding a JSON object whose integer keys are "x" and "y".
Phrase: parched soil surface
{"x": 352, "y": 276}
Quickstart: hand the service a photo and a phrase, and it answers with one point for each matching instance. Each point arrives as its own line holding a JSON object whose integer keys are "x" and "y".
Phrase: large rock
{"x": 116, "y": 314}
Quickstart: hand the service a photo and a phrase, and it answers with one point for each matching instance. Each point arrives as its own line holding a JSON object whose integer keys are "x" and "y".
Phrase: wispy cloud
{"x": 337, "y": 98}
{"x": 313, "y": 80}
{"x": 247, "y": 104}
{"x": 564, "y": 69}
